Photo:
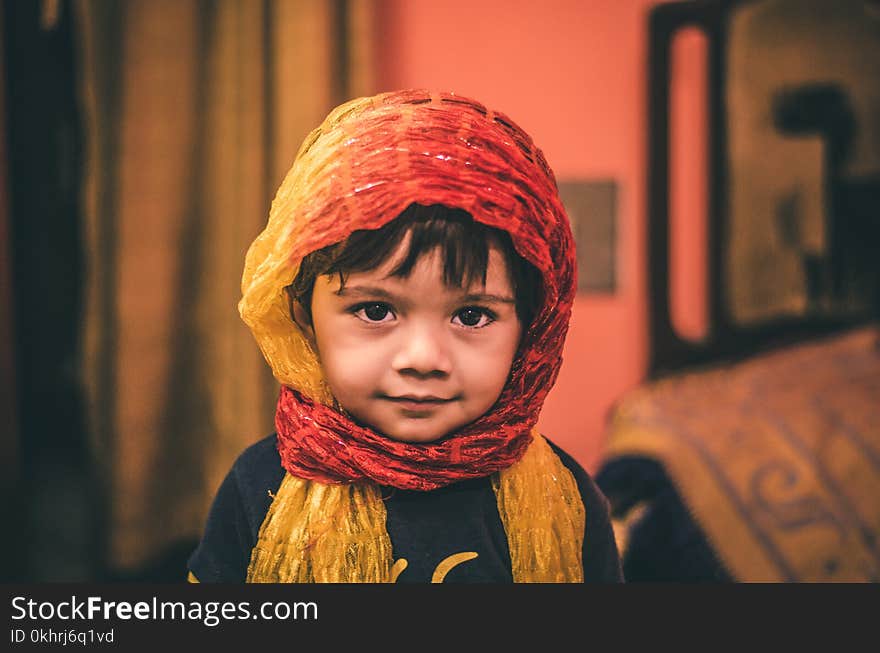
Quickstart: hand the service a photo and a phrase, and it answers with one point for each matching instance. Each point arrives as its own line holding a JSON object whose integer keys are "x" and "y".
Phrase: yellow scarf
{"x": 336, "y": 533}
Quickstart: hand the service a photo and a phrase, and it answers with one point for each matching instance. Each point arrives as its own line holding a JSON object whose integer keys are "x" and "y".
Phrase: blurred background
{"x": 720, "y": 162}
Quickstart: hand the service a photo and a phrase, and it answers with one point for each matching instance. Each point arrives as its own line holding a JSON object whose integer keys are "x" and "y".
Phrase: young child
{"x": 412, "y": 292}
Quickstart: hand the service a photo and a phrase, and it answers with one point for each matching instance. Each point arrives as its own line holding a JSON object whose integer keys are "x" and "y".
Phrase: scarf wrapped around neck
{"x": 369, "y": 160}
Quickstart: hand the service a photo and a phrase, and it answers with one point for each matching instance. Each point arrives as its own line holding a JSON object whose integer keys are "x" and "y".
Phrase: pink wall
{"x": 572, "y": 74}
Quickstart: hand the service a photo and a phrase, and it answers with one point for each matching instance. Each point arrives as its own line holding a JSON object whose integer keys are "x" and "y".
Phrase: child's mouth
{"x": 419, "y": 403}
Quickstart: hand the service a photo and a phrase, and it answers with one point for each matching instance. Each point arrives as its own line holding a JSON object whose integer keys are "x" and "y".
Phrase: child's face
{"x": 385, "y": 338}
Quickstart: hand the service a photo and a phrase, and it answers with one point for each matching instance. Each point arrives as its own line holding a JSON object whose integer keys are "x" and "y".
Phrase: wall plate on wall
{"x": 591, "y": 205}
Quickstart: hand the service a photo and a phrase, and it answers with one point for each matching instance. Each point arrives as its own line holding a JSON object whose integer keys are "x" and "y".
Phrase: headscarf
{"x": 367, "y": 162}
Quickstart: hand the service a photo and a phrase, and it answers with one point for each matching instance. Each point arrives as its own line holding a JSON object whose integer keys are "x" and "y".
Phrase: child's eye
{"x": 474, "y": 317}
{"x": 372, "y": 312}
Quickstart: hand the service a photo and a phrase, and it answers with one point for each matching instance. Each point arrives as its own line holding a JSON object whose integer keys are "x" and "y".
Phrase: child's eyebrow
{"x": 373, "y": 291}
{"x": 376, "y": 291}
{"x": 488, "y": 299}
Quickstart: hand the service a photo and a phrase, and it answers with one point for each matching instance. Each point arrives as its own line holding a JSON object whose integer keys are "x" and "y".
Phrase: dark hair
{"x": 463, "y": 241}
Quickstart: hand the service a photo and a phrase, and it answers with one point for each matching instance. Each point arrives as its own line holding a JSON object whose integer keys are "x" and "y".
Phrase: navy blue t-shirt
{"x": 426, "y": 528}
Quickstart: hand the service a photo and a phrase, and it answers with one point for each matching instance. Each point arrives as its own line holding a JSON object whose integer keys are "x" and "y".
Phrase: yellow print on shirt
{"x": 446, "y": 565}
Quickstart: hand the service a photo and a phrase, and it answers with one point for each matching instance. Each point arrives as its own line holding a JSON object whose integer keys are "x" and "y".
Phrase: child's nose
{"x": 423, "y": 349}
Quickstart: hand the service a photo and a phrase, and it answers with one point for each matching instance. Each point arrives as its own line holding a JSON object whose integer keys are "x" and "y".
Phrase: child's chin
{"x": 414, "y": 435}
{"x": 415, "y": 438}
{"x": 410, "y": 434}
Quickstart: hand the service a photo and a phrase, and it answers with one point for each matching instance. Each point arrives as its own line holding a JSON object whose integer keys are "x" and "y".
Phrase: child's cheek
{"x": 350, "y": 360}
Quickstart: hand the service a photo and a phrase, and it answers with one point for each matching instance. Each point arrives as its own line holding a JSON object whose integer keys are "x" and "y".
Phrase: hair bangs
{"x": 462, "y": 241}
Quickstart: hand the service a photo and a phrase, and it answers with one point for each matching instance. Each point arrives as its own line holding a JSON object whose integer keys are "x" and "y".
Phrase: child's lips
{"x": 411, "y": 402}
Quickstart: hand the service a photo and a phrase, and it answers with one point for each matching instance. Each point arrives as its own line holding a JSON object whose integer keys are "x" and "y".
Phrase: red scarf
{"x": 319, "y": 443}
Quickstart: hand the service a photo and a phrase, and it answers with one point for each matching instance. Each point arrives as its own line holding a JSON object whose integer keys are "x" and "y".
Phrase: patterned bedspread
{"x": 776, "y": 458}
